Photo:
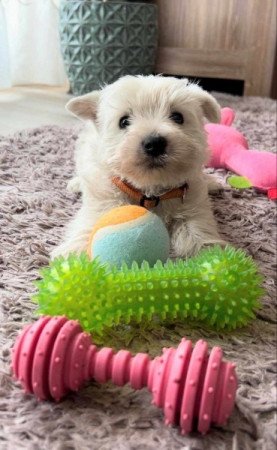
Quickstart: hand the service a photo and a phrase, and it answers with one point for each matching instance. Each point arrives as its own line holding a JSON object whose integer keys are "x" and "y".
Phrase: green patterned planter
{"x": 102, "y": 41}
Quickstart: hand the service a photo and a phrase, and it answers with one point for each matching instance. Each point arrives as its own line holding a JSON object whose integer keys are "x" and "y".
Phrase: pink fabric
{"x": 54, "y": 355}
{"x": 229, "y": 150}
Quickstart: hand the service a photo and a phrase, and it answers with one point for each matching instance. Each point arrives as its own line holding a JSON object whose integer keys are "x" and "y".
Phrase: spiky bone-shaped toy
{"x": 220, "y": 287}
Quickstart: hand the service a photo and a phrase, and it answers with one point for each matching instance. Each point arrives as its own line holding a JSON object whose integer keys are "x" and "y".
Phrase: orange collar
{"x": 149, "y": 202}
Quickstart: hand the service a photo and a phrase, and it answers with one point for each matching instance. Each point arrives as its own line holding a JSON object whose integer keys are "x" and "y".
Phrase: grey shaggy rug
{"x": 34, "y": 207}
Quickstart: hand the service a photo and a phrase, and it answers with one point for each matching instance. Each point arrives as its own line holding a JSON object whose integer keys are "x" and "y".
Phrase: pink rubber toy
{"x": 230, "y": 151}
{"x": 53, "y": 356}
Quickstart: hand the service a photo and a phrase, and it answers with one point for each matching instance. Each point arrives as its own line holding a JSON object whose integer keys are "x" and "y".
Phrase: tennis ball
{"x": 127, "y": 234}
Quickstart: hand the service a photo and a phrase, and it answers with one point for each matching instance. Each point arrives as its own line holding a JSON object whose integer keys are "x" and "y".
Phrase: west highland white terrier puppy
{"x": 144, "y": 143}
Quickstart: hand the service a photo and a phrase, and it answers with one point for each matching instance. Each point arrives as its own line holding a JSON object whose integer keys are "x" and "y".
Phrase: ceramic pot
{"x": 101, "y": 41}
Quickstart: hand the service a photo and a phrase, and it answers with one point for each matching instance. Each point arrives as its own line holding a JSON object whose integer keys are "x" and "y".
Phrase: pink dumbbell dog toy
{"x": 53, "y": 356}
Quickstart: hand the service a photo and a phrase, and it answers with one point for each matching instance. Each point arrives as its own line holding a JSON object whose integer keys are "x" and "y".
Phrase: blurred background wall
{"x": 229, "y": 45}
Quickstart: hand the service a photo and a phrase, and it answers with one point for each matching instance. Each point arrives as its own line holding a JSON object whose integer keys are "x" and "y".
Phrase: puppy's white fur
{"x": 104, "y": 150}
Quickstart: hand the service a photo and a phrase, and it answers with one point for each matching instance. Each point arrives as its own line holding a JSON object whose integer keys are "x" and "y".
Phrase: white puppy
{"x": 149, "y": 133}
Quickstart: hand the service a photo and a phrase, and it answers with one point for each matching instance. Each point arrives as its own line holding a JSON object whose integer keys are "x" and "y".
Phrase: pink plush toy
{"x": 230, "y": 151}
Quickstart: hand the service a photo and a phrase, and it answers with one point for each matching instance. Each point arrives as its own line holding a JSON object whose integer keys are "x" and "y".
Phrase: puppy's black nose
{"x": 154, "y": 145}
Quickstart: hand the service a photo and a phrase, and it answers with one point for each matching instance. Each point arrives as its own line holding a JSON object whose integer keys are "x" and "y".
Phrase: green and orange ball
{"x": 127, "y": 234}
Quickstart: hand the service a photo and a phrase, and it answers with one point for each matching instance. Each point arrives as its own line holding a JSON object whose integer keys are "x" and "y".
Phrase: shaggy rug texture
{"x": 34, "y": 207}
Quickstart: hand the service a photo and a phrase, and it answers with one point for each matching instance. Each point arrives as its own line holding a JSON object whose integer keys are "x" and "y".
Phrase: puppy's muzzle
{"x": 154, "y": 145}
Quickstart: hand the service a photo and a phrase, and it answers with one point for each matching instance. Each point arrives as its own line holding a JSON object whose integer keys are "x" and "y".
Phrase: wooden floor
{"x": 32, "y": 106}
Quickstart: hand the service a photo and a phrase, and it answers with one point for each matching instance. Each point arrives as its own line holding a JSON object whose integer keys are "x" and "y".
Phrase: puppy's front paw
{"x": 184, "y": 252}
{"x": 61, "y": 250}
{"x": 188, "y": 239}
{"x": 213, "y": 184}
{"x": 215, "y": 187}
{"x": 74, "y": 185}
{"x": 183, "y": 244}
{"x": 66, "y": 248}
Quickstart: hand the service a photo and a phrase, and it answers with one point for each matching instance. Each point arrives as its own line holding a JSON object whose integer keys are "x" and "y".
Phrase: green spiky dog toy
{"x": 220, "y": 287}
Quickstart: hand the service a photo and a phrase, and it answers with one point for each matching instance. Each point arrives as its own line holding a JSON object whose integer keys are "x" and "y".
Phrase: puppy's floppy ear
{"x": 84, "y": 107}
{"x": 210, "y": 107}
{"x": 208, "y": 104}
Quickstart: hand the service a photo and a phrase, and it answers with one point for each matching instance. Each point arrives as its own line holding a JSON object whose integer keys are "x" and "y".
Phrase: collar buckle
{"x": 153, "y": 198}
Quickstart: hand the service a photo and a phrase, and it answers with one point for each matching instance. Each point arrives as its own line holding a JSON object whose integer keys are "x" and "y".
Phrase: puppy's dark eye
{"x": 177, "y": 118}
{"x": 124, "y": 122}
